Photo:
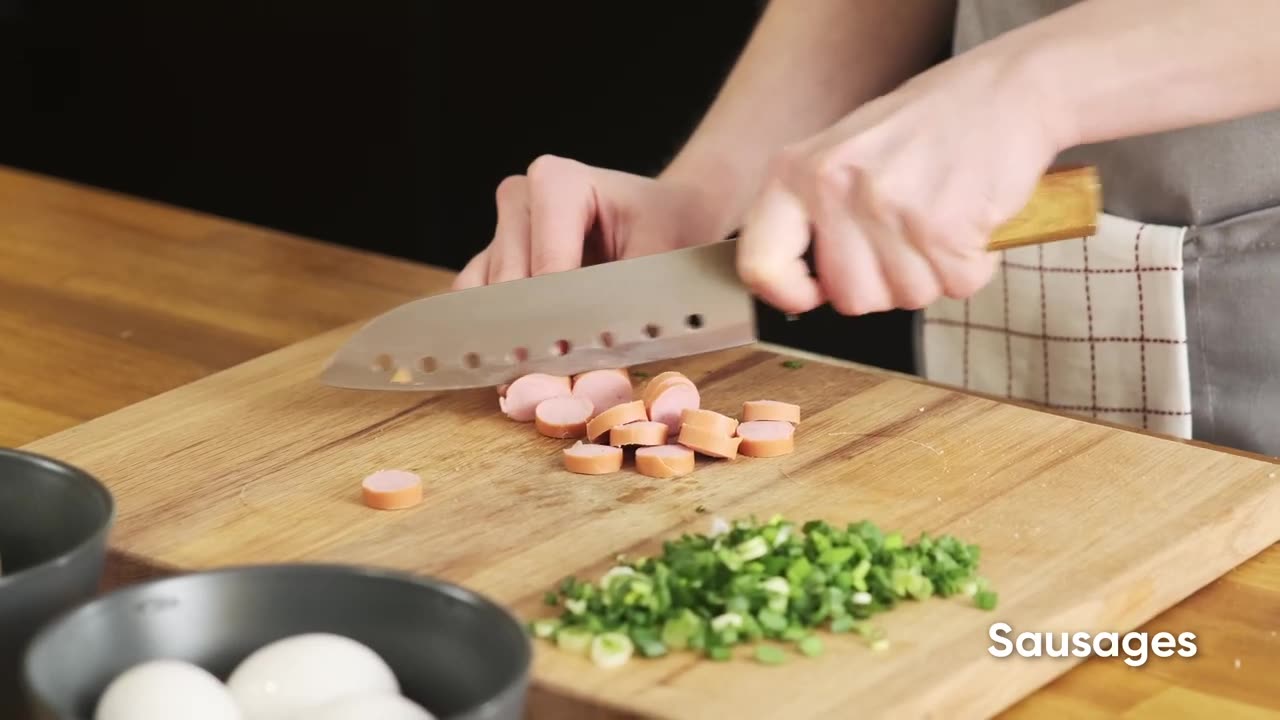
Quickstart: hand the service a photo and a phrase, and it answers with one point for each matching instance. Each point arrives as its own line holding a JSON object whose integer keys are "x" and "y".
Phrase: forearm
{"x": 807, "y": 64}
{"x": 1117, "y": 68}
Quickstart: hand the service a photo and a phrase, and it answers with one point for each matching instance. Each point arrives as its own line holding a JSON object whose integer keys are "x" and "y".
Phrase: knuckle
{"x": 546, "y": 168}
{"x": 510, "y": 189}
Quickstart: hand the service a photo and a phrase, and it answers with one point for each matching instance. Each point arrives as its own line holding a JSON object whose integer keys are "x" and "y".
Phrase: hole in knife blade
{"x": 606, "y": 339}
{"x": 652, "y": 331}
{"x": 382, "y": 363}
{"x": 694, "y": 321}
{"x": 561, "y": 347}
{"x": 519, "y": 355}
{"x": 428, "y": 364}
{"x": 471, "y": 360}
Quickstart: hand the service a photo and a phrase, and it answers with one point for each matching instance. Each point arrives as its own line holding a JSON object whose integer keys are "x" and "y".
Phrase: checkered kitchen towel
{"x": 1093, "y": 326}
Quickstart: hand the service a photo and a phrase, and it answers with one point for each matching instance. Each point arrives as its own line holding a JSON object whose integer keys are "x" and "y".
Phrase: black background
{"x": 382, "y": 125}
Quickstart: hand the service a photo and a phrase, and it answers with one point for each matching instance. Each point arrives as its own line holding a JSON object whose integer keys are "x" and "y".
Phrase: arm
{"x": 807, "y": 64}
{"x": 1120, "y": 68}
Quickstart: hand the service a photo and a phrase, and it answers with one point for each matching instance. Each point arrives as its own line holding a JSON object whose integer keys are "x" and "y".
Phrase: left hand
{"x": 902, "y": 195}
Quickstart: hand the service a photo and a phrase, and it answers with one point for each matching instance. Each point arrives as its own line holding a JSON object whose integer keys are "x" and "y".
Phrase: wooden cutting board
{"x": 1082, "y": 527}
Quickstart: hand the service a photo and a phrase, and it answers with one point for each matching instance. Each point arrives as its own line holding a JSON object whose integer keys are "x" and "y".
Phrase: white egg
{"x": 383, "y": 706}
{"x": 166, "y": 689}
{"x": 303, "y": 672}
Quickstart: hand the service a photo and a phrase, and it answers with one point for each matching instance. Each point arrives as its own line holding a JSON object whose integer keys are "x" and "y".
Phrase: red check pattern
{"x": 1093, "y": 326}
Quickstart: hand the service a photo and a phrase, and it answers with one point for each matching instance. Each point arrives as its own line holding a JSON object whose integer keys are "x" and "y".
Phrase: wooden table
{"x": 106, "y": 300}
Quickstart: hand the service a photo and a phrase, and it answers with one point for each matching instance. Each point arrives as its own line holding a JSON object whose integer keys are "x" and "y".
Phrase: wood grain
{"x": 151, "y": 267}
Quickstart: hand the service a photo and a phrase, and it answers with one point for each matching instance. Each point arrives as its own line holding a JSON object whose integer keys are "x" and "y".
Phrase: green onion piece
{"x": 752, "y": 549}
{"x": 794, "y": 633}
{"x": 770, "y": 655}
{"x": 893, "y": 541}
{"x": 771, "y": 621}
{"x": 811, "y": 646}
{"x": 575, "y": 606}
{"x": 719, "y": 654}
{"x": 611, "y": 649}
{"x": 985, "y": 599}
{"x": 550, "y": 598}
{"x": 726, "y": 621}
{"x": 843, "y": 624}
{"x": 793, "y": 364}
{"x": 776, "y": 586}
{"x": 545, "y": 628}
{"x": 574, "y": 640}
{"x": 701, "y": 509}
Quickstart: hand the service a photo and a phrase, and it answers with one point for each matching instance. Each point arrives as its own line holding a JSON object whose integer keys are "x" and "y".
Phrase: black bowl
{"x": 454, "y": 652}
{"x": 54, "y": 521}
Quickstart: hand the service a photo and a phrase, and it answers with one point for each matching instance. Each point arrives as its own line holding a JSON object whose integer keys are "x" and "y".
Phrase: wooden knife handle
{"x": 1066, "y": 204}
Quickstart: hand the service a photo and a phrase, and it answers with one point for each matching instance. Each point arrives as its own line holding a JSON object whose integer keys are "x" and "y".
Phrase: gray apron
{"x": 1222, "y": 184}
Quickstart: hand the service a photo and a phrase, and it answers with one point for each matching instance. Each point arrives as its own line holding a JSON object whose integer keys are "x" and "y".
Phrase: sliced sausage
{"x": 617, "y": 415}
{"x": 709, "y": 442}
{"x": 562, "y": 417}
{"x": 644, "y": 432}
{"x": 672, "y": 401}
{"x": 524, "y": 394}
{"x": 592, "y": 459}
{"x": 604, "y": 388}
{"x": 664, "y": 461}
{"x": 770, "y": 410}
{"x": 391, "y": 490}
{"x": 709, "y": 419}
{"x": 660, "y": 383}
{"x": 766, "y": 438}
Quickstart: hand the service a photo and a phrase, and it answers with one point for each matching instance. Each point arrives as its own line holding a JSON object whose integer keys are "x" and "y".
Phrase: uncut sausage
{"x": 604, "y": 388}
{"x": 592, "y": 459}
{"x": 562, "y": 417}
{"x": 766, "y": 438}
{"x": 664, "y": 461}
{"x": 672, "y": 401}
{"x": 524, "y": 394}
{"x": 709, "y": 419}
{"x": 391, "y": 490}
{"x": 709, "y": 442}
{"x": 617, "y": 415}
{"x": 770, "y": 410}
{"x": 643, "y": 432}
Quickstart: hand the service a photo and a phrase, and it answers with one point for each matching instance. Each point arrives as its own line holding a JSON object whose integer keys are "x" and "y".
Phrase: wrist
{"x": 715, "y": 182}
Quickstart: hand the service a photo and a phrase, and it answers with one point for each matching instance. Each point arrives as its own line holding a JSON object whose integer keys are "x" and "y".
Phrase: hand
{"x": 563, "y": 214}
{"x": 901, "y": 195}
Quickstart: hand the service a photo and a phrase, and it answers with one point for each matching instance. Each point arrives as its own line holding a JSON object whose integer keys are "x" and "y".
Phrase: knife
{"x": 617, "y": 314}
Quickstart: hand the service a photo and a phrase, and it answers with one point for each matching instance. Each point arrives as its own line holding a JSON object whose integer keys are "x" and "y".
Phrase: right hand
{"x": 563, "y": 214}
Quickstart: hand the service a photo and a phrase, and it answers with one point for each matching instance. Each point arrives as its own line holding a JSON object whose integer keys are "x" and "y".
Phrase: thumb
{"x": 771, "y": 251}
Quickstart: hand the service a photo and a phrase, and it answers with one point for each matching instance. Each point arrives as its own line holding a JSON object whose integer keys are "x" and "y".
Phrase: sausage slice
{"x": 592, "y": 459}
{"x": 391, "y": 489}
{"x": 766, "y": 438}
{"x": 659, "y": 383}
{"x": 709, "y": 419}
{"x": 562, "y": 417}
{"x": 672, "y": 401}
{"x": 709, "y": 442}
{"x": 617, "y": 415}
{"x": 770, "y": 410}
{"x": 524, "y": 394}
{"x": 604, "y": 388}
{"x": 664, "y": 461}
{"x": 644, "y": 432}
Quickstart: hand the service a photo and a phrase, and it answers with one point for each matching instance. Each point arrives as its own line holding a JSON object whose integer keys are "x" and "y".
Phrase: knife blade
{"x": 617, "y": 314}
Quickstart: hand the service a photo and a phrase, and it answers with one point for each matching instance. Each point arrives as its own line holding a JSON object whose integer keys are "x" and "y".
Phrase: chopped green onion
{"x": 770, "y": 655}
{"x": 550, "y": 598}
{"x": 719, "y": 653}
{"x": 776, "y": 586}
{"x": 575, "y": 606}
{"x": 793, "y": 364}
{"x": 726, "y": 621}
{"x": 574, "y": 640}
{"x": 985, "y": 599}
{"x": 611, "y": 649}
{"x": 700, "y": 509}
{"x": 811, "y": 646}
{"x": 545, "y": 627}
{"x": 752, "y": 549}
{"x": 843, "y": 624}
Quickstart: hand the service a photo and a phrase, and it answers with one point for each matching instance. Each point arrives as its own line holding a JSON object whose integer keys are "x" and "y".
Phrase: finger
{"x": 509, "y": 251}
{"x": 474, "y": 273}
{"x": 908, "y": 274}
{"x": 848, "y": 270}
{"x": 562, "y": 209}
{"x": 771, "y": 251}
